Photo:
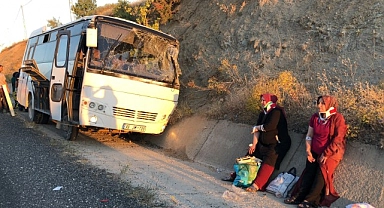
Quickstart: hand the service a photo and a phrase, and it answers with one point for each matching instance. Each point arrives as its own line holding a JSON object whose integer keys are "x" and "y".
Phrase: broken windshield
{"x": 134, "y": 52}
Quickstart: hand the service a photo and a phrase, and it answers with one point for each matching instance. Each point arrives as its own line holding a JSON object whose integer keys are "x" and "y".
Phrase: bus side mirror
{"x": 91, "y": 38}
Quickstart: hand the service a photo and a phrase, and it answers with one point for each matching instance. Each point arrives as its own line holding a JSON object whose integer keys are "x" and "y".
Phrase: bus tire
{"x": 45, "y": 119}
{"x": 34, "y": 115}
{"x": 71, "y": 132}
{"x": 31, "y": 110}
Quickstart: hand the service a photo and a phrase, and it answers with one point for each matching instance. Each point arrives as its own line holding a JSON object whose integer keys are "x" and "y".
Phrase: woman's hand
{"x": 310, "y": 157}
{"x": 323, "y": 159}
{"x": 251, "y": 149}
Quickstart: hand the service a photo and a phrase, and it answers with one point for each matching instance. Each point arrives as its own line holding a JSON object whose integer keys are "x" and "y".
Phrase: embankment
{"x": 359, "y": 178}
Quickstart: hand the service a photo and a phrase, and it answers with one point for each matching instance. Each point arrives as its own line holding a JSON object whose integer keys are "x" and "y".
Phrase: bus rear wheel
{"x": 35, "y": 116}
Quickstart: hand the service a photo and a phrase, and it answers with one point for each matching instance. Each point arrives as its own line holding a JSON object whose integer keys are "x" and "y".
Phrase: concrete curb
{"x": 359, "y": 178}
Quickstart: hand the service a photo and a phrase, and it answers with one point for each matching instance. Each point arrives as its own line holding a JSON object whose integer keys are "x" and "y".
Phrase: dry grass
{"x": 295, "y": 49}
{"x": 236, "y": 98}
{"x": 264, "y": 2}
{"x": 362, "y": 104}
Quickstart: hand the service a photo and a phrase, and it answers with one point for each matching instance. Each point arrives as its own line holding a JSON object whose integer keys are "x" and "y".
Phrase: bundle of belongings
{"x": 245, "y": 171}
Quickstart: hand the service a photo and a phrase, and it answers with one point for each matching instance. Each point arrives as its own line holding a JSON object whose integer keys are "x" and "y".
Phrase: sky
{"x": 20, "y": 17}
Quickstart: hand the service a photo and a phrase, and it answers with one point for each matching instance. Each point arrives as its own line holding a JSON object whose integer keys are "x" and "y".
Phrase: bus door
{"x": 59, "y": 75}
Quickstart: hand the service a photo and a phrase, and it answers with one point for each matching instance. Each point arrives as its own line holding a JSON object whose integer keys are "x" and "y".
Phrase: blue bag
{"x": 246, "y": 171}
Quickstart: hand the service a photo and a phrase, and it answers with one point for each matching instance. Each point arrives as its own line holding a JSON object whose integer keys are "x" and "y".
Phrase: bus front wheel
{"x": 32, "y": 114}
{"x": 71, "y": 132}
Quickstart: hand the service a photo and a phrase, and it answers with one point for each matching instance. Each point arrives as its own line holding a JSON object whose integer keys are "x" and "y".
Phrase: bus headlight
{"x": 92, "y": 104}
{"x": 100, "y": 107}
{"x": 93, "y": 119}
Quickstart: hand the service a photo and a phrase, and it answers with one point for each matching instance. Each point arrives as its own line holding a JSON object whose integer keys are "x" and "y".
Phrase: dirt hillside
{"x": 343, "y": 39}
{"x": 333, "y": 44}
{"x": 317, "y": 41}
{"x": 11, "y": 57}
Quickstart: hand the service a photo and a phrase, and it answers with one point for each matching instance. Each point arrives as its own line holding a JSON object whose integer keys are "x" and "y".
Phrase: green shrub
{"x": 150, "y": 13}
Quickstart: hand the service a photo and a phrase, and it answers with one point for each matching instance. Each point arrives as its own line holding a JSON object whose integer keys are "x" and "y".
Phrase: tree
{"x": 138, "y": 12}
{"x": 84, "y": 8}
{"x": 143, "y": 13}
{"x": 124, "y": 10}
{"x": 150, "y": 13}
{"x": 164, "y": 9}
{"x": 53, "y": 22}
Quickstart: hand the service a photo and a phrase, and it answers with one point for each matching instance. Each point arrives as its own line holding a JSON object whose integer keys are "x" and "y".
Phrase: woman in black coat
{"x": 271, "y": 140}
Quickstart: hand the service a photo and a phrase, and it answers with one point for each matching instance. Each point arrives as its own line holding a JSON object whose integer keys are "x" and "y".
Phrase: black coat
{"x": 268, "y": 148}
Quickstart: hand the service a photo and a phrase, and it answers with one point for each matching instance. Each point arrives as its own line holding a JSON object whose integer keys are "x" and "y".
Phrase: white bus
{"x": 101, "y": 72}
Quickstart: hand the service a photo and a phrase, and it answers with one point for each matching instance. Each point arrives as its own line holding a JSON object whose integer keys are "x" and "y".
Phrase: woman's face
{"x": 263, "y": 102}
{"x": 321, "y": 105}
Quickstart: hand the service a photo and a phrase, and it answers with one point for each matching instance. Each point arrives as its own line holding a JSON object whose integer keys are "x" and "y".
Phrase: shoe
{"x": 306, "y": 204}
{"x": 291, "y": 200}
{"x": 252, "y": 189}
{"x": 230, "y": 178}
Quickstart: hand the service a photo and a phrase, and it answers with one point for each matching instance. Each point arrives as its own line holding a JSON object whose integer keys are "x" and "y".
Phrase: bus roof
{"x": 94, "y": 18}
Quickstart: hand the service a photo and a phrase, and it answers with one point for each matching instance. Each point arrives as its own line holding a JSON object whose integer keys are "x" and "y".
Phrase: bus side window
{"x": 30, "y": 52}
{"x": 62, "y": 51}
{"x": 46, "y": 38}
{"x": 53, "y": 36}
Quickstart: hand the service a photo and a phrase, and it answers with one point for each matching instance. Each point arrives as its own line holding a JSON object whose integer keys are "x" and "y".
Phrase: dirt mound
{"x": 11, "y": 57}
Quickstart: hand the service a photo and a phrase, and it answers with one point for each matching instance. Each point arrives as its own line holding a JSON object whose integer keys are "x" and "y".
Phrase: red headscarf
{"x": 269, "y": 97}
{"x": 330, "y": 104}
{"x": 269, "y": 106}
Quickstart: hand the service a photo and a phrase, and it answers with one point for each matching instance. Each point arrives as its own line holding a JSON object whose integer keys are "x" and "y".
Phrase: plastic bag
{"x": 360, "y": 205}
{"x": 246, "y": 171}
{"x": 283, "y": 183}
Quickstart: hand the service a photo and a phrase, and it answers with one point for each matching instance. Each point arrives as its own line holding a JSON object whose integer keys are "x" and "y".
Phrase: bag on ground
{"x": 283, "y": 183}
{"x": 246, "y": 171}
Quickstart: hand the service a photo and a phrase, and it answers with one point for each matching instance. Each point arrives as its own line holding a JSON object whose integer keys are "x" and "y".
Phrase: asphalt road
{"x": 33, "y": 165}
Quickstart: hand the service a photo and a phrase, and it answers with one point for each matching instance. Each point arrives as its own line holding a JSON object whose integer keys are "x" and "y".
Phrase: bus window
{"x": 49, "y": 52}
{"x": 30, "y": 52}
{"x": 76, "y": 29}
{"x": 46, "y": 38}
{"x": 135, "y": 52}
{"x": 53, "y": 36}
{"x": 30, "y": 47}
{"x": 32, "y": 41}
{"x": 40, "y": 39}
{"x": 40, "y": 52}
{"x": 73, "y": 47}
{"x": 62, "y": 51}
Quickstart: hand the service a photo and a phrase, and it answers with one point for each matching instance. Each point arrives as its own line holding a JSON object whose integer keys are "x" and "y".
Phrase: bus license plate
{"x": 133, "y": 127}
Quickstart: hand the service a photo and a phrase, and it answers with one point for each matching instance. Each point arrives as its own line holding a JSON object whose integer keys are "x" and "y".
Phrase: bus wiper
{"x": 113, "y": 46}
